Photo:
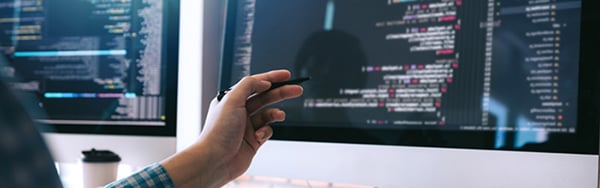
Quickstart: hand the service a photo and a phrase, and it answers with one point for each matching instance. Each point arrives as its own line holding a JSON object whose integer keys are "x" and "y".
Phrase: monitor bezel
{"x": 584, "y": 141}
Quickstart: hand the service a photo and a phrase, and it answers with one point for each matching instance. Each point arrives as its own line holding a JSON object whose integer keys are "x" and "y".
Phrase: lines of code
{"x": 152, "y": 32}
{"x": 106, "y": 54}
{"x": 243, "y": 41}
{"x": 445, "y": 64}
{"x": 405, "y": 87}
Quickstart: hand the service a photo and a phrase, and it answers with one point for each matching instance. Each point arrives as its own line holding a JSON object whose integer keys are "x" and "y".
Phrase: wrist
{"x": 195, "y": 167}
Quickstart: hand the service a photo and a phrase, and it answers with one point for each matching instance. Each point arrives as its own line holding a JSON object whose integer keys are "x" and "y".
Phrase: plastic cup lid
{"x": 96, "y": 156}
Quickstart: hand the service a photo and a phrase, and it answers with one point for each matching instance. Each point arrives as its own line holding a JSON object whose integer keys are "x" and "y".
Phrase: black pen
{"x": 275, "y": 85}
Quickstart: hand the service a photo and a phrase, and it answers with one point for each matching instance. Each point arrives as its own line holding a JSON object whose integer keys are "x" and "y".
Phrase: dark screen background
{"x": 292, "y": 35}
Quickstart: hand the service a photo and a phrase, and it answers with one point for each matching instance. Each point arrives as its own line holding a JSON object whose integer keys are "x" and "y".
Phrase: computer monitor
{"x": 426, "y": 93}
{"x": 97, "y": 68}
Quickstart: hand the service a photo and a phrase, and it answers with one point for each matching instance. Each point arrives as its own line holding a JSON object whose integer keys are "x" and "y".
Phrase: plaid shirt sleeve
{"x": 152, "y": 176}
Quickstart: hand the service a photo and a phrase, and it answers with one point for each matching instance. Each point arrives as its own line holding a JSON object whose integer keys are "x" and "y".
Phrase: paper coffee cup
{"x": 100, "y": 167}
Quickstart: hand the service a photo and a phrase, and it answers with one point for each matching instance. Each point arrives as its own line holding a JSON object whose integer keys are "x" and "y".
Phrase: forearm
{"x": 195, "y": 167}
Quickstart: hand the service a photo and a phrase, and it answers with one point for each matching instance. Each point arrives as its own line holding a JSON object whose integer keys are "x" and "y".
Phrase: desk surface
{"x": 273, "y": 182}
{"x": 71, "y": 176}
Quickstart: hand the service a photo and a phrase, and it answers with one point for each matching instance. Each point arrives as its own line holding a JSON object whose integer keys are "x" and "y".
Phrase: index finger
{"x": 274, "y": 76}
{"x": 255, "y": 84}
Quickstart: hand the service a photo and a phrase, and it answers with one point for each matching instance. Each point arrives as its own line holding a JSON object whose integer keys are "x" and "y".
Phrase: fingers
{"x": 257, "y": 102}
{"x": 258, "y": 138}
{"x": 259, "y": 131}
{"x": 254, "y": 84}
{"x": 274, "y": 76}
{"x": 244, "y": 88}
{"x": 267, "y": 116}
{"x": 263, "y": 134}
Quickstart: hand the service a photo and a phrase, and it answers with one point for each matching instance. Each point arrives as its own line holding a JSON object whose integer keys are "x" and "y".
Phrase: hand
{"x": 234, "y": 130}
